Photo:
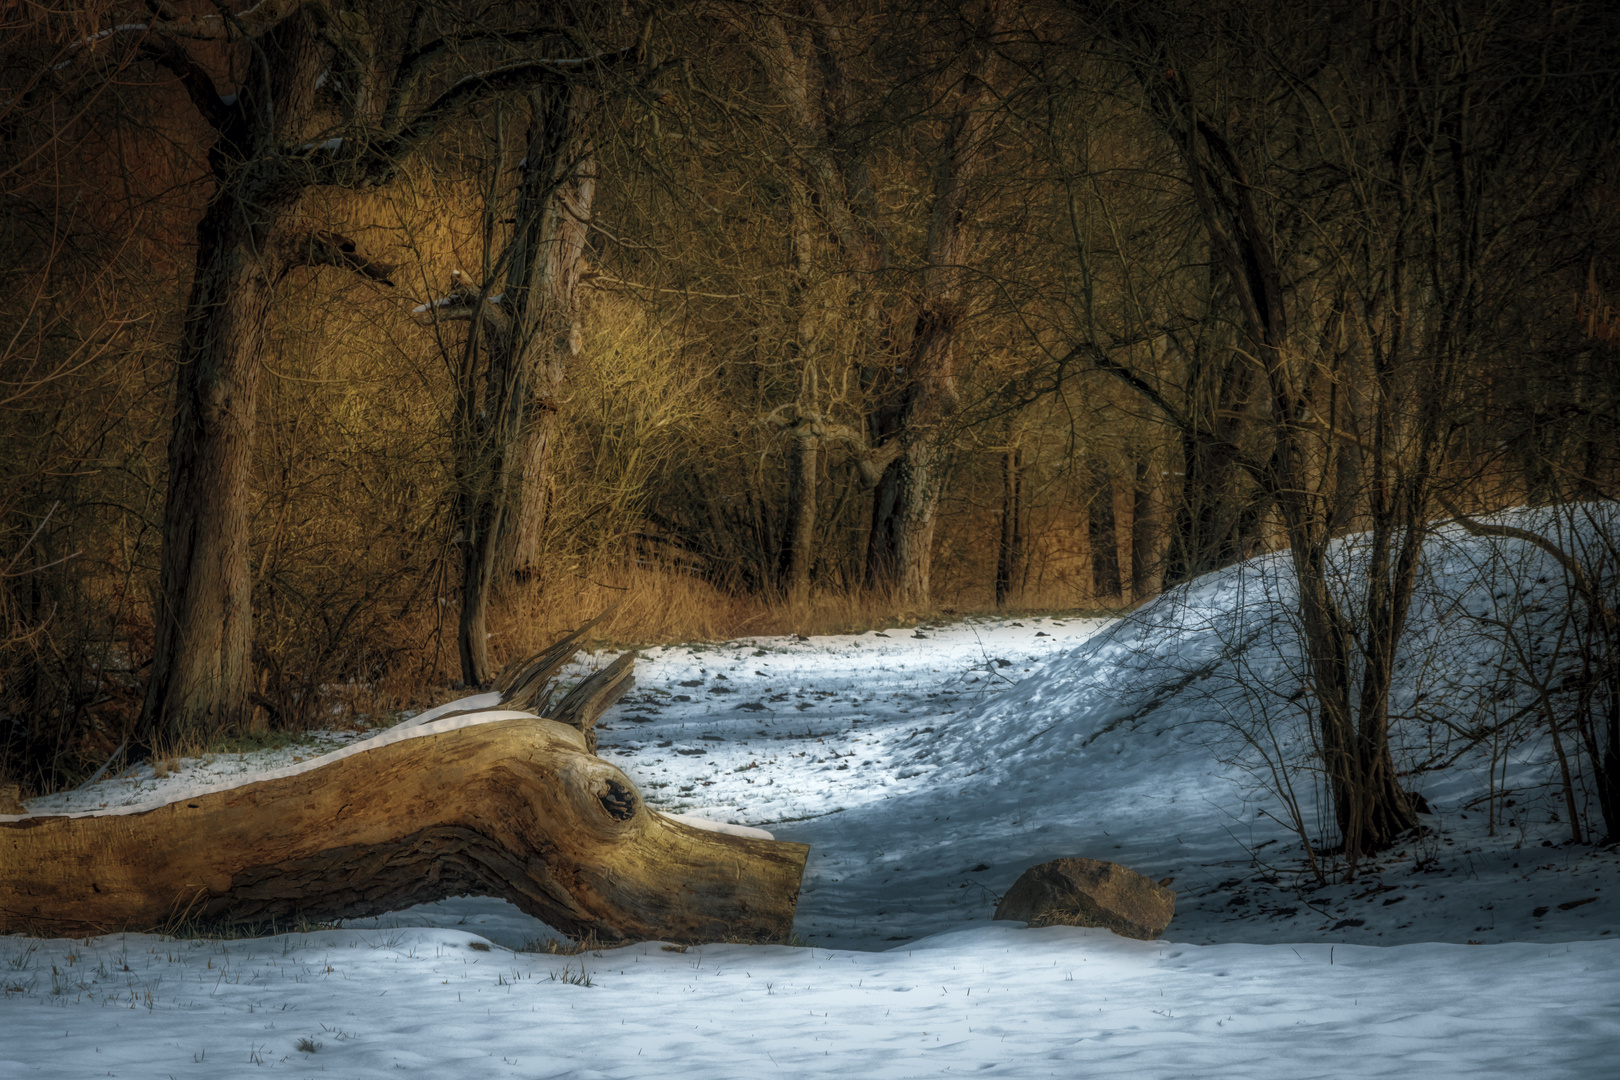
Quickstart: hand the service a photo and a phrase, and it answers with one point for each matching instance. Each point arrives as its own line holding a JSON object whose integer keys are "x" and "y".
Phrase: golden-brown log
{"x": 514, "y": 808}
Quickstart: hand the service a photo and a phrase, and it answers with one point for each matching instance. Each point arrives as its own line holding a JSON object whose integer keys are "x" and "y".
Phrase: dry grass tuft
{"x": 660, "y": 606}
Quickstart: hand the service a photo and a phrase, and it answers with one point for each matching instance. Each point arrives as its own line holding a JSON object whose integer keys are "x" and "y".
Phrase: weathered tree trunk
{"x": 904, "y": 539}
{"x": 507, "y": 426}
{"x": 201, "y": 668}
{"x": 549, "y": 318}
{"x": 1103, "y": 533}
{"x": 929, "y": 400}
{"x": 1150, "y": 526}
{"x": 801, "y": 547}
{"x": 1010, "y": 553}
{"x": 882, "y": 535}
{"x": 514, "y": 808}
{"x": 201, "y": 671}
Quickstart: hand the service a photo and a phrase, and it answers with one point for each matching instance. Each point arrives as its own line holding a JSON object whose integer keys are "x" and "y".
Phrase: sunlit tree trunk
{"x": 554, "y": 339}
{"x": 507, "y": 405}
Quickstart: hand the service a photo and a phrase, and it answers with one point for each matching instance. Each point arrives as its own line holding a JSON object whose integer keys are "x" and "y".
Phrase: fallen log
{"x": 494, "y": 804}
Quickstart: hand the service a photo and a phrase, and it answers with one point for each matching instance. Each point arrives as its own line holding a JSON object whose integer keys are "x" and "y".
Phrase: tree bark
{"x": 1010, "y": 553}
{"x": 514, "y": 808}
{"x": 929, "y": 398}
{"x": 1103, "y": 533}
{"x": 201, "y": 667}
{"x": 507, "y": 425}
{"x": 900, "y": 552}
{"x": 564, "y": 188}
{"x": 802, "y": 511}
{"x": 1150, "y": 526}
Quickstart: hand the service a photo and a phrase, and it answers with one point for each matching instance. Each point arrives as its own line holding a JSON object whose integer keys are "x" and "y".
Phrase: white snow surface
{"x": 993, "y": 1000}
{"x": 927, "y": 769}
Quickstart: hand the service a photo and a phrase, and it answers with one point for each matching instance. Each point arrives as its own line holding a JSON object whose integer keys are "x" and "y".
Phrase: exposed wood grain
{"x": 513, "y": 808}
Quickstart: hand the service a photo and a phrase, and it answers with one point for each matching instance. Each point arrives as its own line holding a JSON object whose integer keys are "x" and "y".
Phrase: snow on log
{"x": 515, "y": 808}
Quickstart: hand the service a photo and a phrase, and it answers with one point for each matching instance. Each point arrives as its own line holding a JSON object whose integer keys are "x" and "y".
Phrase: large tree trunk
{"x": 558, "y": 212}
{"x": 906, "y": 535}
{"x": 514, "y": 808}
{"x": 929, "y": 401}
{"x": 801, "y": 546}
{"x": 201, "y": 668}
{"x": 508, "y": 427}
{"x": 900, "y": 543}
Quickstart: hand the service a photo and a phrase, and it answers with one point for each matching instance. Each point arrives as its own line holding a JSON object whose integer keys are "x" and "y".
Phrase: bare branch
{"x": 1571, "y": 565}
{"x": 199, "y": 85}
{"x": 462, "y": 303}
{"x": 383, "y": 158}
{"x": 323, "y": 248}
{"x": 256, "y": 21}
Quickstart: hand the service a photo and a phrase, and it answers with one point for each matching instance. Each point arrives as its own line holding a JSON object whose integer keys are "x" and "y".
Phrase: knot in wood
{"x": 619, "y": 801}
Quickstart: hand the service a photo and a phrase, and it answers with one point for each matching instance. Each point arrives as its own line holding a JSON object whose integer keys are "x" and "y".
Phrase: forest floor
{"x": 927, "y": 768}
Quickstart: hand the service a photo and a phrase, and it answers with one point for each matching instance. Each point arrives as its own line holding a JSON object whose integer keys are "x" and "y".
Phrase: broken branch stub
{"x": 527, "y": 684}
{"x": 585, "y": 703}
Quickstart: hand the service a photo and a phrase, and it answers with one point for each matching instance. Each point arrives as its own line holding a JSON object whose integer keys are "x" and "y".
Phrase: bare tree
{"x": 316, "y": 98}
{"x": 1350, "y": 187}
{"x": 510, "y": 367}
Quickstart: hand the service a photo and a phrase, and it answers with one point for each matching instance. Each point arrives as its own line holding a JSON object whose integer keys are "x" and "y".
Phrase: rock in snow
{"x": 1089, "y": 892}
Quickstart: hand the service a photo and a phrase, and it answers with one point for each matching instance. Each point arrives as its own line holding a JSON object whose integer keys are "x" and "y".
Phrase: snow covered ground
{"x": 994, "y": 1000}
{"x": 927, "y": 768}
